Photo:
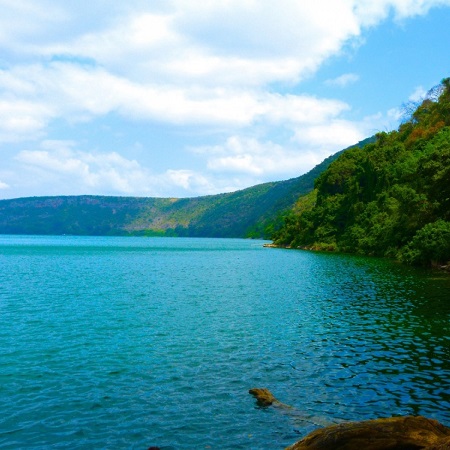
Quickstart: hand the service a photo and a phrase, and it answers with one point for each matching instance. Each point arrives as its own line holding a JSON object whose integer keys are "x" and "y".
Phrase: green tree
{"x": 429, "y": 246}
{"x": 374, "y": 200}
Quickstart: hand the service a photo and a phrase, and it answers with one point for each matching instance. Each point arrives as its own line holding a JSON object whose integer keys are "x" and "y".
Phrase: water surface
{"x": 124, "y": 343}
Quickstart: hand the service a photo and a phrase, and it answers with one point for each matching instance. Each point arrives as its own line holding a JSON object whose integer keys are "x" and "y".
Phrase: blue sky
{"x": 181, "y": 98}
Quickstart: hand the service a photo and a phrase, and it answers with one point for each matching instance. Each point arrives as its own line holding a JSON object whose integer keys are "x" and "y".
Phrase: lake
{"x": 127, "y": 343}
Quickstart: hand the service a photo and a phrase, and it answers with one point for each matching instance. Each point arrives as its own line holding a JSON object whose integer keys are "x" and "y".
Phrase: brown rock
{"x": 395, "y": 433}
{"x": 263, "y": 396}
{"x": 442, "y": 445}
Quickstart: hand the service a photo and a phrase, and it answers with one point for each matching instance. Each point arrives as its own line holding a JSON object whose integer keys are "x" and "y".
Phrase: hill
{"x": 252, "y": 212}
{"x": 390, "y": 198}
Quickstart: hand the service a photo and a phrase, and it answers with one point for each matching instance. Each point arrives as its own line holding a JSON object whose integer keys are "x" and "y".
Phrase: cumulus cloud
{"x": 60, "y": 164}
{"x": 233, "y": 66}
{"x": 207, "y": 42}
{"x": 335, "y": 134}
{"x": 181, "y": 62}
{"x": 254, "y": 157}
{"x": 86, "y": 172}
{"x": 81, "y": 92}
{"x": 309, "y": 144}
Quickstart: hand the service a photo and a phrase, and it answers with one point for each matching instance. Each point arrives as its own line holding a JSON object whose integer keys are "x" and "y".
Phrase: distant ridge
{"x": 251, "y": 212}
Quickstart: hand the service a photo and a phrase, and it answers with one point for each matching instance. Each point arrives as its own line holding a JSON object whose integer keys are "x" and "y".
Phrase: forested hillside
{"x": 390, "y": 198}
{"x": 252, "y": 212}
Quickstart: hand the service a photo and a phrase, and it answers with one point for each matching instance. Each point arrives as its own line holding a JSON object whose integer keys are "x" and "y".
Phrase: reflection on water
{"x": 128, "y": 343}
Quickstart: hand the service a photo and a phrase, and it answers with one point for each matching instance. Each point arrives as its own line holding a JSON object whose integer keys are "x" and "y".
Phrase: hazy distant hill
{"x": 250, "y": 212}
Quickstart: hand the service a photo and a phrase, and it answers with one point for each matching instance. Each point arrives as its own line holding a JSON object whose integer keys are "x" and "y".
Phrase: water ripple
{"x": 126, "y": 343}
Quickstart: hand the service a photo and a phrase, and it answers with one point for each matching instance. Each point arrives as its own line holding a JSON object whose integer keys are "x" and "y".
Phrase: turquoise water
{"x": 127, "y": 343}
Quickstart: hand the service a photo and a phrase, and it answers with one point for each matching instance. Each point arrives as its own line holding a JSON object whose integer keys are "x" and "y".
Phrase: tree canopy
{"x": 389, "y": 198}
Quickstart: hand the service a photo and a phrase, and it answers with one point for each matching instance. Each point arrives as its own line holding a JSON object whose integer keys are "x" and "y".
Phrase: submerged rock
{"x": 395, "y": 433}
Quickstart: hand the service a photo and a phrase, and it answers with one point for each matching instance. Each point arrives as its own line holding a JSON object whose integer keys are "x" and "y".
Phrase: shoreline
{"x": 439, "y": 267}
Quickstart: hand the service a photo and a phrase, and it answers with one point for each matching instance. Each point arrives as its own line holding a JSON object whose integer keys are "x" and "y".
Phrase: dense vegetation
{"x": 390, "y": 198}
{"x": 253, "y": 212}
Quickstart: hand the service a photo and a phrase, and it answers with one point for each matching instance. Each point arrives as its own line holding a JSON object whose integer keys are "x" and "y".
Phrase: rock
{"x": 263, "y": 396}
{"x": 442, "y": 445}
{"x": 395, "y": 433}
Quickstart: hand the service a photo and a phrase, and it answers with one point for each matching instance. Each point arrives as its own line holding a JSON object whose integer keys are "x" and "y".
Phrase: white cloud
{"x": 233, "y": 66}
{"x": 300, "y": 109}
{"x": 58, "y": 168}
{"x": 395, "y": 114}
{"x": 22, "y": 119}
{"x": 343, "y": 80}
{"x": 248, "y": 155}
{"x": 418, "y": 94}
{"x": 333, "y": 135}
{"x": 16, "y": 25}
{"x": 181, "y": 62}
{"x": 189, "y": 180}
{"x": 309, "y": 144}
{"x": 57, "y": 161}
{"x": 214, "y": 42}
{"x": 256, "y": 27}
{"x": 80, "y": 92}
{"x": 370, "y": 13}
